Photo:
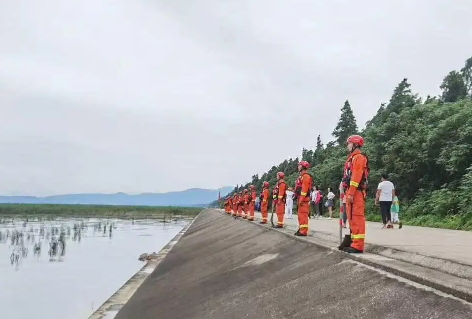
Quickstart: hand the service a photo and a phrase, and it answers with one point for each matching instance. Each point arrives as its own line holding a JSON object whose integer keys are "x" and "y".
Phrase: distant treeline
{"x": 96, "y": 211}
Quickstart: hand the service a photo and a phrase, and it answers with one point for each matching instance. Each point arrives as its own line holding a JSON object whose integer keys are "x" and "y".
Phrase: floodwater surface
{"x": 65, "y": 269}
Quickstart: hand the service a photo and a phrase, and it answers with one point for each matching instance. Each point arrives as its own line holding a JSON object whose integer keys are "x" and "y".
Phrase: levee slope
{"x": 226, "y": 268}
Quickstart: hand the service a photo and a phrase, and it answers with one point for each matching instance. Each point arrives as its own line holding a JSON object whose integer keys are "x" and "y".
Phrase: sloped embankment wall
{"x": 225, "y": 268}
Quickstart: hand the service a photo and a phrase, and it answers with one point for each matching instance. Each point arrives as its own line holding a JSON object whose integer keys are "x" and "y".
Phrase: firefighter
{"x": 235, "y": 204}
{"x": 356, "y": 172}
{"x": 305, "y": 186}
{"x": 264, "y": 202}
{"x": 280, "y": 200}
{"x": 245, "y": 204}
{"x": 230, "y": 205}
{"x": 240, "y": 204}
{"x": 226, "y": 204}
{"x": 252, "y": 202}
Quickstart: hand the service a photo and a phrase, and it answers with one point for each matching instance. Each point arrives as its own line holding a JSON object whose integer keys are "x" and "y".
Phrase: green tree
{"x": 346, "y": 125}
{"x": 453, "y": 87}
{"x": 401, "y": 98}
{"x": 466, "y": 73}
{"x": 318, "y": 154}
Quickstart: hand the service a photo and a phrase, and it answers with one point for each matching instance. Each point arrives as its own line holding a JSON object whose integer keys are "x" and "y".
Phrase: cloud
{"x": 140, "y": 96}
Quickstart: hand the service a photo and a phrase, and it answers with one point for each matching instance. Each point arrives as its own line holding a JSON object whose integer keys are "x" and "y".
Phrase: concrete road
{"x": 453, "y": 245}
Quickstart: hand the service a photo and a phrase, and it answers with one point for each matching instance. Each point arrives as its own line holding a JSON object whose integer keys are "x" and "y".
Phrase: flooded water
{"x": 79, "y": 265}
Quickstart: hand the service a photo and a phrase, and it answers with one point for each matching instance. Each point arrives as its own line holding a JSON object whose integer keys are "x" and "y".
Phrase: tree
{"x": 400, "y": 99}
{"x": 466, "y": 73}
{"x": 430, "y": 99}
{"x": 307, "y": 155}
{"x": 318, "y": 154}
{"x": 347, "y": 124}
{"x": 453, "y": 87}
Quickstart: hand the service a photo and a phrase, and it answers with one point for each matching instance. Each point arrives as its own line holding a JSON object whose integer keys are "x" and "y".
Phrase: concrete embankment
{"x": 110, "y": 308}
{"x": 227, "y": 268}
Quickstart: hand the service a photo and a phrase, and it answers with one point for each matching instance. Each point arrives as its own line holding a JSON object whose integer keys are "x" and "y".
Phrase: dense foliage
{"x": 424, "y": 146}
{"x": 96, "y": 211}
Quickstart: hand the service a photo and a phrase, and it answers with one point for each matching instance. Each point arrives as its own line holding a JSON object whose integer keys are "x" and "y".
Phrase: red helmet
{"x": 304, "y": 164}
{"x": 245, "y": 190}
{"x": 266, "y": 184}
{"x": 280, "y": 174}
{"x": 356, "y": 139}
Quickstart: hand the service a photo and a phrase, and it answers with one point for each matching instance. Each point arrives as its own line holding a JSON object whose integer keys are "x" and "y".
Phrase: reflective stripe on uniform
{"x": 354, "y": 184}
{"x": 358, "y": 236}
{"x": 304, "y": 226}
{"x": 303, "y": 194}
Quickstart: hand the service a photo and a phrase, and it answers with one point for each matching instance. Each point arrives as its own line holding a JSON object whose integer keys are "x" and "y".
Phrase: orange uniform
{"x": 245, "y": 206}
{"x": 355, "y": 173}
{"x": 265, "y": 204}
{"x": 304, "y": 202}
{"x": 235, "y": 204}
{"x": 280, "y": 205}
{"x": 230, "y": 205}
{"x": 240, "y": 204}
{"x": 226, "y": 205}
{"x": 252, "y": 204}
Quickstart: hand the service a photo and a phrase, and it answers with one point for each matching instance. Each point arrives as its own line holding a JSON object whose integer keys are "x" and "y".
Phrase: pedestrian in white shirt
{"x": 313, "y": 203}
{"x": 384, "y": 198}
{"x": 289, "y": 203}
{"x": 330, "y": 202}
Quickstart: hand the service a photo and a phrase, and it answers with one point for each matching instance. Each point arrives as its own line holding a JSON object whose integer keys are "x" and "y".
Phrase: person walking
{"x": 289, "y": 203}
{"x": 330, "y": 202}
{"x": 384, "y": 199}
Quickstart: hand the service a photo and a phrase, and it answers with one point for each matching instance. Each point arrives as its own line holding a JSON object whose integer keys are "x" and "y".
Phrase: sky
{"x": 163, "y": 95}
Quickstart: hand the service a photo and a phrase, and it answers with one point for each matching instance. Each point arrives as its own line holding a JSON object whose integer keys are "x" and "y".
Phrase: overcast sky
{"x": 161, "y": 95}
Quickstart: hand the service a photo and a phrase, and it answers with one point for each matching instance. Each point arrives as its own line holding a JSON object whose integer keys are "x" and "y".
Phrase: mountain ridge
{"x": 189, "y": 197}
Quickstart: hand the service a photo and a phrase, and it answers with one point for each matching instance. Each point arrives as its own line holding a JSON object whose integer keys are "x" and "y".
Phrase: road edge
{"x": 110, "y": 308}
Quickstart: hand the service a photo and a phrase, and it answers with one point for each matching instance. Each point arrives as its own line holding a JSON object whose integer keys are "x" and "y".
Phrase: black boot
{"x": 297, "y": 233}
{"x": 300, "y": 234}
{"x": 277, "y": 226}
{"x": 351, "y": 250}
{"x": 346, "y": 242}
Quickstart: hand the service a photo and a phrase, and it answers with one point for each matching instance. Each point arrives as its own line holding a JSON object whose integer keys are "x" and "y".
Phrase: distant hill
{"x": 196, "y": 197}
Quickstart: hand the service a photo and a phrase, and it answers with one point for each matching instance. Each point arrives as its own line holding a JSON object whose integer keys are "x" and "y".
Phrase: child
{"x": 395, "y": 210}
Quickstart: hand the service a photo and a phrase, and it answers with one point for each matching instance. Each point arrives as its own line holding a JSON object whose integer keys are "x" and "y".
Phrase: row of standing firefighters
{"x": 355, "y": 177}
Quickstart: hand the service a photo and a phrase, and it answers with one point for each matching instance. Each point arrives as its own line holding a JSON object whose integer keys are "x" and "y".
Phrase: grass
{"x": 99, "y": 211}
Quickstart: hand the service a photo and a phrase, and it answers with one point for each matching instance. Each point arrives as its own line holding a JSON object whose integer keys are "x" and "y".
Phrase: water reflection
{"x": 86, "y": 260}
{"x": 23, "y": 235}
